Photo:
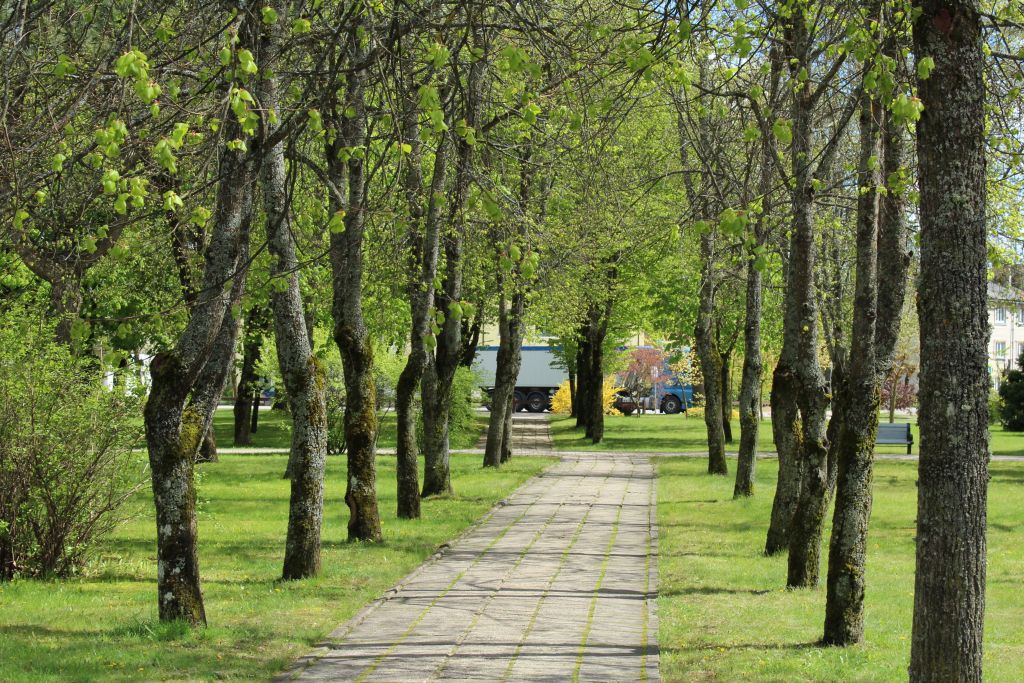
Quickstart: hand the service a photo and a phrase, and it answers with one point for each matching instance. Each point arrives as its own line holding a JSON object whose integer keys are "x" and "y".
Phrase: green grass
{"x": 674, "y": 433}
{"x": 103, "y": 625}
{"x": 725, "y": 616}
{"x": 275, "y": 430}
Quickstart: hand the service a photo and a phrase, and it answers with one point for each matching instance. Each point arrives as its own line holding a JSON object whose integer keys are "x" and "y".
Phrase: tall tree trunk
{"x": 254, "y": 425}
{"x": 350, "y": 332}
{"x": 949, "y": 586}
{"x": 506, "y": 437}
{"x": 421, "y": 294}
{"x": 443, "y": 363}
{"x": 858, "y": 395}
{"x": 510, "y": 343}
{"x": 710, "y": 358}
{"x": 209, "y": 385}
{"x": 247, "y": 385}
{"x": 753, "y": 369}
{"x": 174, "y": 432}
{"x": 788, "y": 436}
{"x": 844, "y": 612}
{"x": 583, "y": 378}
{"x": 727, "y": 396}
{"x": 303, "y": 376}
{"x": 809, "y": 516}
{"x": 572, "y": 394}
{"x": 597, "y": 330}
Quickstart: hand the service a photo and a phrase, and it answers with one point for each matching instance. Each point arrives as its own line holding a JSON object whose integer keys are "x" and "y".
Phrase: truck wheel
{"x": 518, "y": 400}
{"x": 536, "y": 402}
{"x": 670, "y": 406}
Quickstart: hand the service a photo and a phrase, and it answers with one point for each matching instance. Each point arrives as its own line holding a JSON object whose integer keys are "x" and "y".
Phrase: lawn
{"x": 725, "y": 616}
{"x": 103, "y": 626}
{"x": 275, "y": 430}
{"x": 678, "y": 433}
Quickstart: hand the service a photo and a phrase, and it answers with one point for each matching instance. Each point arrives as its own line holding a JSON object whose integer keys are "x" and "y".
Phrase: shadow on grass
{"x": 712, "y": 590}
{"x": 727, "y": 647}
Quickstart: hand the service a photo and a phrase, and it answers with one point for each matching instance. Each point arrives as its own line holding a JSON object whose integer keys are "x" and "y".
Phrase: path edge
{"x": 342, "y": 631}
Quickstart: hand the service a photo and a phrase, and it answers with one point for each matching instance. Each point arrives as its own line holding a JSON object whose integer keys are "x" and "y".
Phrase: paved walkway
{"x": 556, "y": 584}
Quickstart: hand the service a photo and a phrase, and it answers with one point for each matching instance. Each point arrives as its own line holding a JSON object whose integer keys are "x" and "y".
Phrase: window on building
{"x": 1020, "y": 316}
{"x": 1000, "y": 349}
{"x": 1000, "y": 316}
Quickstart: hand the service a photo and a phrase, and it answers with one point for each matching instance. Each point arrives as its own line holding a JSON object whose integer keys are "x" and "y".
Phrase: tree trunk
{"x": 441, "y": 367}
{"x": 174, "y": 432}
{"x": 727, "y": 396}
{"x": 857, "y": 393}
{"x": 572, "y": 394}
{"x": 350, "y": 332}
{"x": 949, "y": 586}
{"x": 510, "y": 342}
{"x": 710, "y": 358}
{"x": 65, "y": 302}
{"x": 583, "y": 378}
{"x": 750, "y": 384}
{"x": 809, "y": 516}
{"x": 421, "y": 295}
{"x": 845, "y": 600}
{"x": 209, "y": 386}
{"x": 506, "y": 437}
{"x": 254, "y": 425}
{"x": 247, "y": 385}
{"x": 753, "y": 369}
{"x": 303, "y": 376}
{"x": 597, "y": 330}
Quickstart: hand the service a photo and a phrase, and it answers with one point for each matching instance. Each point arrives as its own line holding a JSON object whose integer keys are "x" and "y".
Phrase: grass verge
{"x": 103, "y": 625}
{"x": 678, "y": 433}
{"x": 725, "y": 616}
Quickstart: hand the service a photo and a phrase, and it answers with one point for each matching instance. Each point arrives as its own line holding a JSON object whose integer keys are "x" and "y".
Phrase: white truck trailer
{"x": 538, "y": 380}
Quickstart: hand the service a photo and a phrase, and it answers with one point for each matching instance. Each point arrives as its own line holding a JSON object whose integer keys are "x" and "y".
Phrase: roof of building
{"x": 1000, "y": 292}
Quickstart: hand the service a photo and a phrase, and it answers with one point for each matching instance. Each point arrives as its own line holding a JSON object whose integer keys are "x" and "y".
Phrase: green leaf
{"x": 924, "y": 67}
{"x": 269, "y": 16}
{"x": 337, "y": 223}
{"x": 783, "y": 131}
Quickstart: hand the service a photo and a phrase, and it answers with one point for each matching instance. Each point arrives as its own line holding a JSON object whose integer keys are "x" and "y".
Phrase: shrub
{"x": 995, "y": 408}
{"x": 1011, "y": 391}
{"x": 561, "y": 402}
{"x": 66, "y": 458}
{"x": 461, "y": 421}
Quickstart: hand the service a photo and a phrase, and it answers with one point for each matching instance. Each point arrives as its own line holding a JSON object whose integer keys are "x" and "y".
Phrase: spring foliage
{"x": 66, "y": 465}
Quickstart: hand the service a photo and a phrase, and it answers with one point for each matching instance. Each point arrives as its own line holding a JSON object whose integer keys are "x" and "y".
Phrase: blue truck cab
{"x": 676, "y": 398}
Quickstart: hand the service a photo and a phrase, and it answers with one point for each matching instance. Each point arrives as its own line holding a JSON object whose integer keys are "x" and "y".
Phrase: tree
{"x": 799, "y": 394}
{"x": 175, "y": 432}
{"x": 881, "y": 275}
{"x": 949, "y": 585}
{"x": 424, "y": 206}
{"x": 346, "y": 162}
{"x": 442, "y": 363}
{"x": 303, "y": 375}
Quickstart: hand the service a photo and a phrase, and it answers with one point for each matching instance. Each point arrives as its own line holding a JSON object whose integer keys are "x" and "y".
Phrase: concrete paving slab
{"x": 558, "y": 584}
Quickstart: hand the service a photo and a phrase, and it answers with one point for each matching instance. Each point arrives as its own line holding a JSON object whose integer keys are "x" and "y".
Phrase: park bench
{"x": 895, "y": 434}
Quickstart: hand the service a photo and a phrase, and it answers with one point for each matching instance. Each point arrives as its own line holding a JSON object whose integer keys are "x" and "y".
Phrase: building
{"x": 1006, "y": 320}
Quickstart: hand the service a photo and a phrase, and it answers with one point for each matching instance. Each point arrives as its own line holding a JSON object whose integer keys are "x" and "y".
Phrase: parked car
{"x": 625, "y": 403}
